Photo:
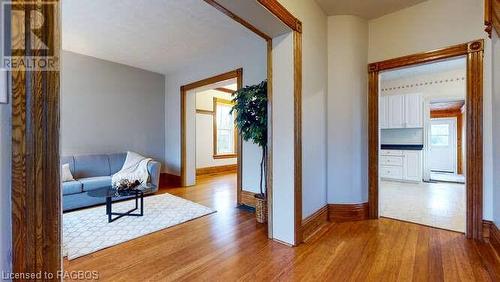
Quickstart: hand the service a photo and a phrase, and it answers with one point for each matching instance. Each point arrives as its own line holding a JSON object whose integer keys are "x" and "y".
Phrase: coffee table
{"x": 111, "y": 193}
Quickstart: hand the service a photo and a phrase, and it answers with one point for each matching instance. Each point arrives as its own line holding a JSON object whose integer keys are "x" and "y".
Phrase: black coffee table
{"x": 111, "y": 193}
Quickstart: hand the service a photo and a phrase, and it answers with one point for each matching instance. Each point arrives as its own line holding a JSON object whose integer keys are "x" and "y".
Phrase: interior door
{"x": 443, "y": 145}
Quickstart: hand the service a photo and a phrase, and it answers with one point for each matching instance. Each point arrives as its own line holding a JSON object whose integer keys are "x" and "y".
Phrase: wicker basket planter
{"x": 261, "y": 209}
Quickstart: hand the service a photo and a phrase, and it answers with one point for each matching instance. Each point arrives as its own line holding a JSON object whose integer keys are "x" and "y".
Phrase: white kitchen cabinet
{"x": 396, "y": 110}
{"x": 401, "y": 165}
{"x": 382, "y": 112}
{"x": 414, "y": 117}
{"x": 413, "y": 165}
{"x": 401, "y": 111}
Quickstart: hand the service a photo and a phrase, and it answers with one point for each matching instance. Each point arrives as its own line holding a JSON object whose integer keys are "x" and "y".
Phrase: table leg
{"x": 108, "y": 208}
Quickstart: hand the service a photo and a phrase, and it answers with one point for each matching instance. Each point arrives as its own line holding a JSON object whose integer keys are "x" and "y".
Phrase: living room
{"x": 120, "y": 122}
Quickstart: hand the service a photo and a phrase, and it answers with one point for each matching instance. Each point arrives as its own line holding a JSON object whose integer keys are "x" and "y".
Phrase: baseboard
{"x": 313, "y": 223}
{"x": 170, "y": 180}
{"x": 491, "y": 234}
{"x": 217, "y": 169}
{"x": 248, "y": 198}
{"x": 347, "y": 212}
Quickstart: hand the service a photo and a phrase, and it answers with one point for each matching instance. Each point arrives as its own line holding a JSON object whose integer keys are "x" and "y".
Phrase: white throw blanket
{"x": 134, "y": 169}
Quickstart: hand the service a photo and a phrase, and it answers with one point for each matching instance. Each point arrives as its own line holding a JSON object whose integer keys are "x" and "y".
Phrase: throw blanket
{"x": 134, "y": 168}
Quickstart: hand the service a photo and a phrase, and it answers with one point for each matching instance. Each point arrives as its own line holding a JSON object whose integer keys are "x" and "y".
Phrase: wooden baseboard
{"x": 170, "y": 180}
{"x": 347, "y": 212}
{"x": 248, "y": 199}
{"x": 491, "y": 234}
{"x": 217, "y": 169}
{"x": 313, "y": 223}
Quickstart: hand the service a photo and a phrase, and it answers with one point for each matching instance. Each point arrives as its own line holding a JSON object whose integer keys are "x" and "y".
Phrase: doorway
{"x": 443, "y": 152}
{"x": 192, "y": 114}
{"x": 473, "y": 78}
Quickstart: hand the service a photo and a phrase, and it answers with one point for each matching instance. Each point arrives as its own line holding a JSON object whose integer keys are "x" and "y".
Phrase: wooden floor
{"x": 229, "y": 245}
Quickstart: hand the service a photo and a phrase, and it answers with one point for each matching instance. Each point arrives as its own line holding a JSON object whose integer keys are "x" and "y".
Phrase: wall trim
{"x": 491, "y": 234}
{"x": 313, "y": 223}
{"x": 348, "y": 212}
{"x": 217, "y": 169}
{"x": 170, "y": 180}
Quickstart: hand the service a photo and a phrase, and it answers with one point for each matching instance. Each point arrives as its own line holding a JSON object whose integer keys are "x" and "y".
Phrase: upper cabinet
{"x": 401, "y": 111}
{"x": 414, "y": 112}
{"x": 396, "y": 110}
{"x": 383, "y": 118}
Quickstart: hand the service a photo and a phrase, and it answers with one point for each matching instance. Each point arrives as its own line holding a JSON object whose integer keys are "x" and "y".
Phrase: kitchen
{"x": 422, "y": 135}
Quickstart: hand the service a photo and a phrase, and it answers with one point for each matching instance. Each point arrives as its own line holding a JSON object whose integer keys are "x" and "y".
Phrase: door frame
{"x": 474, "y": 52}
{"x": 235, "y": 74}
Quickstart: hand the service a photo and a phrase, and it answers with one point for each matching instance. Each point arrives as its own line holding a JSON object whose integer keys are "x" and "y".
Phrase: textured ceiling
{"x": 426, "y": 69}
{"x": 368, "y": 9}
{"x": 157, "y": 35}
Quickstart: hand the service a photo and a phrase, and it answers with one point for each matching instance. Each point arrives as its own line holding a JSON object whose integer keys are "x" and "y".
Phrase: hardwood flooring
{"x": 229, "y": 245}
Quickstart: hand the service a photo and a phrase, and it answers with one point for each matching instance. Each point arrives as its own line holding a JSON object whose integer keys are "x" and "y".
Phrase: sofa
{"x": 93, "y": 172}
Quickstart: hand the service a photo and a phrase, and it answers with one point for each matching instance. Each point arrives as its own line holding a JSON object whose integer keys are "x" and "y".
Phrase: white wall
{"x": 436, "y": 24}
{"x": 251, "y": 55}
{"x": 205, "y": 130}
{"x": 496, "y": 128}
{"x": 453, "y": 88}
{"x": 283, "y": 139}
{"x": 314, "y": 92}
{"x": 347, "y": 110}
{"x": 108, "y": 107}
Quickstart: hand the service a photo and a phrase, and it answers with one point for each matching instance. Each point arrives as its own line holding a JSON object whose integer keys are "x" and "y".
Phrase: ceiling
{"x": 459, "y": 63}
{"x": 368, "y": 9}
{"x": 157, "y": 35}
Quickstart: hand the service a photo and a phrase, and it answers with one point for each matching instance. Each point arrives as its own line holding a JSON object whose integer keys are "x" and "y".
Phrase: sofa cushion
{"x": 116, "y": 162}
{"x": 91, "y": 166}
{"x": 93, "y": 183}
{"x": 71, "y": 187}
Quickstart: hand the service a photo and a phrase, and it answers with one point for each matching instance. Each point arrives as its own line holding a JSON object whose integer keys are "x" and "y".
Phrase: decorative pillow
{"x": 66, "y": 175}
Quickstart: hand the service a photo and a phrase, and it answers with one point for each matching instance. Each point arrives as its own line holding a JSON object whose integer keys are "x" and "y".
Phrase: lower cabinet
{"x": 401, "y": 165}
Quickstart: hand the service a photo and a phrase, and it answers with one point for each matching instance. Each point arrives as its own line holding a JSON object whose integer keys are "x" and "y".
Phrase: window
{"x": 224, "y": 129}
{"x": 440, "y": 135}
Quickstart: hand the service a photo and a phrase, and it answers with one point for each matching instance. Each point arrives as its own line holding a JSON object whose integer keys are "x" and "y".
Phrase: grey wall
{"x": 496, "y": 129}
{"x": 5, "y": 184}
{"x": 108, "y": 107}
{"x": 5, "y": 179}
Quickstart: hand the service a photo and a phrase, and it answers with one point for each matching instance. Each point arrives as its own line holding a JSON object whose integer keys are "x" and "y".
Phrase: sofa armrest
{"x": 154, "y": 169}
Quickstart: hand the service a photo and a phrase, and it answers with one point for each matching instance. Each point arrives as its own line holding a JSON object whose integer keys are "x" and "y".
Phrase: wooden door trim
{"x": 474, "y": 52}
{"x": 235, "y": 74}
{"x": 36, "y": 194}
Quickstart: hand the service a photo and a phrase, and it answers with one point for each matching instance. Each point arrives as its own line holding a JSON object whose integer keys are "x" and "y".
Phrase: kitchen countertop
{"x": 401, "y": 147}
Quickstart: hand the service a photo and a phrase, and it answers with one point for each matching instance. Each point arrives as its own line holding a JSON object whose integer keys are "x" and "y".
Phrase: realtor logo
{"x": 28, "y": 31}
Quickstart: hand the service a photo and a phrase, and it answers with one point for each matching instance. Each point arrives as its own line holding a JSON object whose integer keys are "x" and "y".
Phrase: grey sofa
{"x": 93, "y": 172}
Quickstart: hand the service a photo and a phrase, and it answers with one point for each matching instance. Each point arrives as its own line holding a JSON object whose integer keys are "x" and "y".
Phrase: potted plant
{"x": 250, "y": 105}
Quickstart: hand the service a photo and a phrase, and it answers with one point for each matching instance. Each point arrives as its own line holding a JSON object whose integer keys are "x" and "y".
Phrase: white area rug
{"x": 87, "y": 231}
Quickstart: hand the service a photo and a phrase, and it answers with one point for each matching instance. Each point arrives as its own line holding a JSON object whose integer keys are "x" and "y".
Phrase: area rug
{"x": 87, "y": 231}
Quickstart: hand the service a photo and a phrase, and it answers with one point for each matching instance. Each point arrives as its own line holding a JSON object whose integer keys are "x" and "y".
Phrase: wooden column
{"x": 373, "y": 137}
{"x": 36, "y": 196}
{"x": 474, "y": 130}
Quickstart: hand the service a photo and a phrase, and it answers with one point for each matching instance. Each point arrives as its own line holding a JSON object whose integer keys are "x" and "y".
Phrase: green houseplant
{"x": 250, "y": 105}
